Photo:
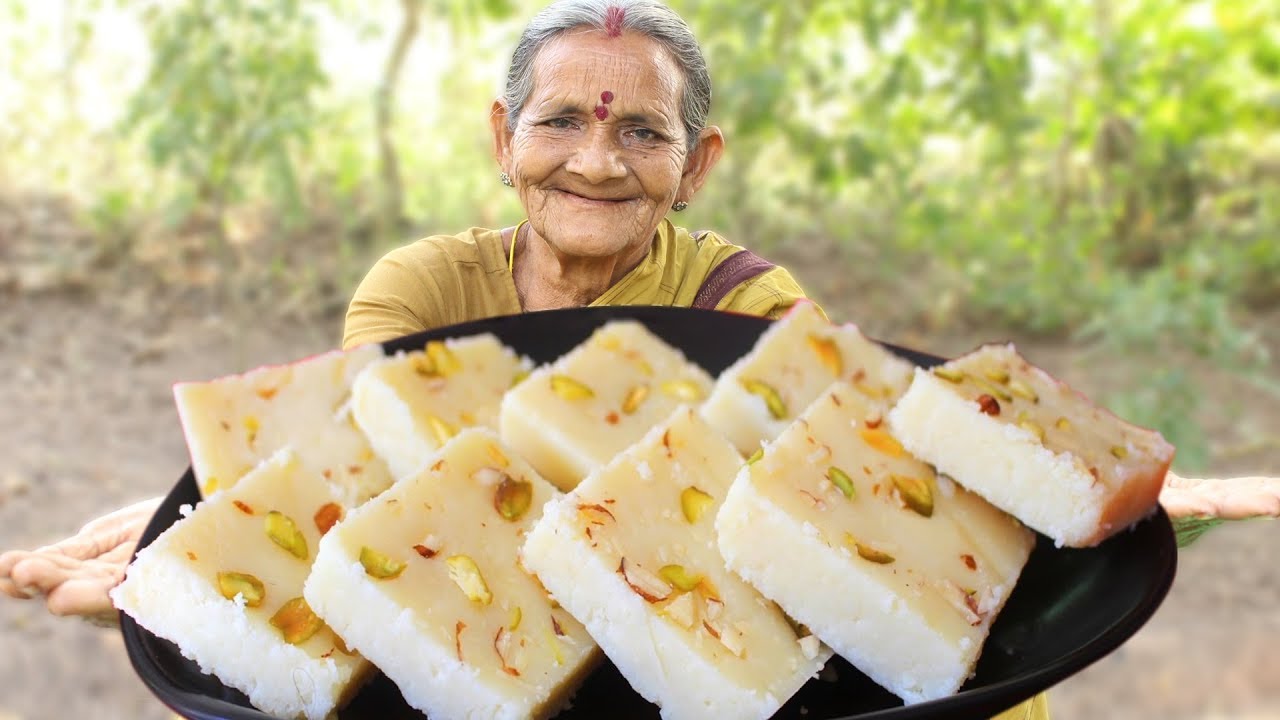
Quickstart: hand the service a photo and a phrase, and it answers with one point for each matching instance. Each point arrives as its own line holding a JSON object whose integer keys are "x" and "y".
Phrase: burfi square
{"x": 225, "y": 585}
{"x": 411, "y": 404}
{"x": 1033, "y": 446}
{"x": 631, "y": 552}
{"x": 792, "y": 362}
{"x": 233, "y": 423}
{"x": 573, "y": 416}
{"x": 899, "y": 570}
{"x": 424, "y": 580}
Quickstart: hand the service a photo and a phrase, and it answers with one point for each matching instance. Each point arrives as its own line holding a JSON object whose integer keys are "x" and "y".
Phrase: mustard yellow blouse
{"x": 449, "y": 279}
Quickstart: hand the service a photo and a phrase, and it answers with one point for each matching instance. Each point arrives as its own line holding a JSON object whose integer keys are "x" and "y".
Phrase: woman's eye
{"x": 645, "y": 135}
{"x": 560, "y": 123}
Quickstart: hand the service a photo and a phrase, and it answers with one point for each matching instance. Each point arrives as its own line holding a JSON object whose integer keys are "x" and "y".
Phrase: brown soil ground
{"x": 88, "y": 425}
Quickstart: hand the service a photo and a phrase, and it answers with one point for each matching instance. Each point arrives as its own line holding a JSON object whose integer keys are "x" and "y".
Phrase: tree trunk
{"x": 391, "y": 202}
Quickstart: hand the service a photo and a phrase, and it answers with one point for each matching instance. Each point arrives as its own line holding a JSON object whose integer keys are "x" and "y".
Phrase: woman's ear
{"x": 699, "y": 163}
{"x": 501, "y": 135}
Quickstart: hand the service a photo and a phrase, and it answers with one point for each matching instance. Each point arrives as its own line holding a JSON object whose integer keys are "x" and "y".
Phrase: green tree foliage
{"x": 228, "y": 101}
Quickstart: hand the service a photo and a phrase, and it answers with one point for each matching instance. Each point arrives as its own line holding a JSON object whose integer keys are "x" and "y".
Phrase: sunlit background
{"x": 190, "y": 188}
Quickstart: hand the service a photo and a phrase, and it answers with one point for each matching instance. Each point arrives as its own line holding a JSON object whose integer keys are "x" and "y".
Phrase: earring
{"x": 506, "y": 179}
{"x": 680, "y": 205}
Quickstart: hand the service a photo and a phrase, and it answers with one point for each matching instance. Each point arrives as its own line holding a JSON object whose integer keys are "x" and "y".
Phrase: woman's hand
{"x": 74, "y": 575}
{"x": 1229, "y": 499}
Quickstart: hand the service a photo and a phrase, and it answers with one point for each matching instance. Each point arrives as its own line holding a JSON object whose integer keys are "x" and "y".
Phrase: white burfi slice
{"x": 794, "y": 360}
{"x": 235, "y": 422}
{"x": 411, "y": 404}
{"x": 225, "y": 585}
{"x": 900, "y": 571}
{"x": 571, "y": 417}
{"x": 425, "y": 581}
{"x": 1031, "y": 445}
{"x": 631, "y": 552}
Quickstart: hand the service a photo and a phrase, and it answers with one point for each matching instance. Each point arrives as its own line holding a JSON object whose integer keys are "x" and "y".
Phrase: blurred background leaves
{"x": 1101, "y": 172}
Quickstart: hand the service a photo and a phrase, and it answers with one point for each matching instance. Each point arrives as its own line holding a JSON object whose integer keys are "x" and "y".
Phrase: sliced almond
{"x": 458, "y": 627}
{"x": 502, "y": 646}
{"x": 714, "y": 607}
{"x": 596, "y": 511}
{"x": 681, "y": 610}
{"x": 644, "y": 583}
{"x": 734, "y": 640}
{"x": 962, "y": 600}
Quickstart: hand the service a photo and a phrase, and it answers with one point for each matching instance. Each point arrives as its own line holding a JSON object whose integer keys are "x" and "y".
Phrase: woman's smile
{"x": 593, "y": 200}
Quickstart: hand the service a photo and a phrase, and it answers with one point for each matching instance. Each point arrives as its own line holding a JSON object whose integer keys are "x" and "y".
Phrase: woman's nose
{"x": 597, "y": 157}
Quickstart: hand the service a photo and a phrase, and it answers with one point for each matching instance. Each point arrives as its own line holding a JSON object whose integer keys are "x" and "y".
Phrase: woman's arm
{"x": 74, "y": 576}
{"x": 1228, "y": 498}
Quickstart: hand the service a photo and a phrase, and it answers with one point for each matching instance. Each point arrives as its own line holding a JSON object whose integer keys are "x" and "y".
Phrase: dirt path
{"x": 89, "y": 425}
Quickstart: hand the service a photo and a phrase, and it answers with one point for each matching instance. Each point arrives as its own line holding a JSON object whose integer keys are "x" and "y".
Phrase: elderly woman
{"x": 602, "y": 132}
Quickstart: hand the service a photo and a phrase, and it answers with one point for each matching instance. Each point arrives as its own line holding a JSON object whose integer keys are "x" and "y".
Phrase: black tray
{"x": 1069, "y": 609}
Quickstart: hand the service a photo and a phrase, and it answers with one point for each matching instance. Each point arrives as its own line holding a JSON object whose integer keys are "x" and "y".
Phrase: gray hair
{"x": 647, "y": 17}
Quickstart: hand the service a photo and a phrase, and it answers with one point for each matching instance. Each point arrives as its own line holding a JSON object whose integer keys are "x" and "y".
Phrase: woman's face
{"x": 600, "y": 153}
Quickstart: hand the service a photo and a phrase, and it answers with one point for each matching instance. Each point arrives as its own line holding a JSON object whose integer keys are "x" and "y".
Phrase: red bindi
{"x": 602, "y": 112}
{"x": 613, "y": 20}
{"x": 606, "y": 97}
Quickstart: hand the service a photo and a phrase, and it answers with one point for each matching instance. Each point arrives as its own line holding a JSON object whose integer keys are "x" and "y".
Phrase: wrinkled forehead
{"x": 583, "y": 61}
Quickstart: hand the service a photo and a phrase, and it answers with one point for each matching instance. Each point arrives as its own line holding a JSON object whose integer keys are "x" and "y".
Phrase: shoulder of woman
{"x": 769, "y": 293}
{"x": 469, "y": 246}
